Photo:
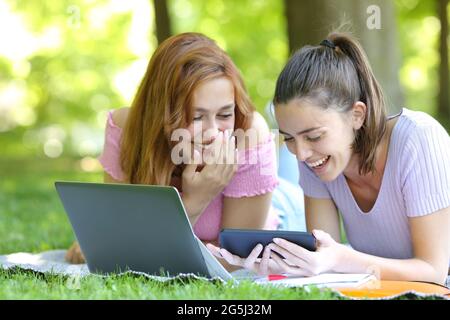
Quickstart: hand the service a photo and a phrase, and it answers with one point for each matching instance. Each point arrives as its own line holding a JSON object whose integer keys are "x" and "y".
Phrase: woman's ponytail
{"x": 371, "y": 94}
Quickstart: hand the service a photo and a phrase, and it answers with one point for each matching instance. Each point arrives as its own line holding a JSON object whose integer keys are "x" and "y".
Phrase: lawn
{"x": 32, "y": 219}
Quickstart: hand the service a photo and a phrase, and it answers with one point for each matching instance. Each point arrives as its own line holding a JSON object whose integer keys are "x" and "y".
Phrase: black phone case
{"x": 242, "y": 241}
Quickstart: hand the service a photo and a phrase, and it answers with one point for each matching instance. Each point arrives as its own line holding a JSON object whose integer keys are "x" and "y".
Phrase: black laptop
{"x": 142, "y": 228}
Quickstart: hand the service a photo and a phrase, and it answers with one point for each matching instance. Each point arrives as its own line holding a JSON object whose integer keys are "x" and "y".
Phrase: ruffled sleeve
{"x": 110, "y": 157}
{"x": 257, "y": 172}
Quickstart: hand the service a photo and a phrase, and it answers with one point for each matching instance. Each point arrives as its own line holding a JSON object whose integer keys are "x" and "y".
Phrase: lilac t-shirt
{"x": 416, "y": 182}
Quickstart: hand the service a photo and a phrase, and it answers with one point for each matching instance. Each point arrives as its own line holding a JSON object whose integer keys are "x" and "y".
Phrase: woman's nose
{"x": 302, "y": 152}
{"x": 210, "y": 130}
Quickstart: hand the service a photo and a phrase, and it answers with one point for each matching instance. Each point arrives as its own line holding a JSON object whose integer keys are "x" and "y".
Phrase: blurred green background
{"x": 64, "y": 64}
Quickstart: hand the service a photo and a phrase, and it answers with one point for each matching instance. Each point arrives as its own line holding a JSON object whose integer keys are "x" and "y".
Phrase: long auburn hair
{"x": 336, "y": 78}
{"x": 163, "y": 103}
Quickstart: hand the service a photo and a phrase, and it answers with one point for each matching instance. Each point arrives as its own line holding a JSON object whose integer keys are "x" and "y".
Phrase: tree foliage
{"x": 64, "y": 64}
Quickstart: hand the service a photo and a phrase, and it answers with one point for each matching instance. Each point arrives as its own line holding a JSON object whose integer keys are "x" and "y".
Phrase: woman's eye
{"x": 313, "y": 138}
{"x": 197, "y": 118}
{"x": 287, "y": 139}
{"x": 225, "y": 116}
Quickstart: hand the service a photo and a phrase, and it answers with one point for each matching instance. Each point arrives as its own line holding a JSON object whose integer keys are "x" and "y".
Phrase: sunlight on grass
{"x": 17, "y": 284}
{"x": 32, "y": 218}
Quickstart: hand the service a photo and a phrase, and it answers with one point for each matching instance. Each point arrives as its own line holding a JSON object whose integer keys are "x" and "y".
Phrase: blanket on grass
{"x": 53, "y": 262}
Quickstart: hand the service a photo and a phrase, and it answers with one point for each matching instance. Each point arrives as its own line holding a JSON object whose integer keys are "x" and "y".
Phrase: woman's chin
{"x": 329, "y": 174}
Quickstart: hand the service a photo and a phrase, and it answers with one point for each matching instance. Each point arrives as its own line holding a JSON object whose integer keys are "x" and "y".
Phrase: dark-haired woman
{"x": 387, "y": 177}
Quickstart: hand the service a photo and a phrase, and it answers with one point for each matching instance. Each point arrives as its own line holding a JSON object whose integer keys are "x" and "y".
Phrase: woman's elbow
{"x": 435, "y": 274}
{"x": 441, "y": 276}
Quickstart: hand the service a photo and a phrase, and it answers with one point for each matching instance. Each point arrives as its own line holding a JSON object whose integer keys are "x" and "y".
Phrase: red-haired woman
{"x": 192, "y": 84}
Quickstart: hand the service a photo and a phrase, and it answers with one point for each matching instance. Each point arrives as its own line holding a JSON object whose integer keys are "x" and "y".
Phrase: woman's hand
{"x": 263, "y": 266}
{"x": 200, "y": 188}
{"x": 299, "y": 261}
{"x": 74, "y": 254}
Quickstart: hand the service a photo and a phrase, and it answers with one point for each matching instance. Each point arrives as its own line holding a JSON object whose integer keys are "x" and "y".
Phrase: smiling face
{"x": 213, "y": 104}
{"x": 321, "y": 138}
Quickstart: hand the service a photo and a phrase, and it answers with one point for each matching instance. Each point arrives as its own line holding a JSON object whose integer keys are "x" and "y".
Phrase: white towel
{"x": 53, "y": 262}
{"x": 45, "y": 262}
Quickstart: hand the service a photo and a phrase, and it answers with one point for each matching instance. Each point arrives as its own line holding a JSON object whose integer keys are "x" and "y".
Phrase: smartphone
{"x": 242, "y": 241}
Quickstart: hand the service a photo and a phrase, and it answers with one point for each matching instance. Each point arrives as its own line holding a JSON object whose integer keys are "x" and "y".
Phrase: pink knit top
{"x": 256, "y": 175}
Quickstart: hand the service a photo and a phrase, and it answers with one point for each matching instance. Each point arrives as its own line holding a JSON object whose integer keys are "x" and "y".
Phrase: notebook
{"x": 332, "y": 280}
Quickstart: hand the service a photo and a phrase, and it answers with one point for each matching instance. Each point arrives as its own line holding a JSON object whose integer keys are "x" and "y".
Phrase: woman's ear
{"x": 358, "y": 114}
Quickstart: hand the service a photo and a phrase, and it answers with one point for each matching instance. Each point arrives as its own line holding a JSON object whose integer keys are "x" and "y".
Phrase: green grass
{"x": 32, "y": 219}
{"x": 19, "y": 284}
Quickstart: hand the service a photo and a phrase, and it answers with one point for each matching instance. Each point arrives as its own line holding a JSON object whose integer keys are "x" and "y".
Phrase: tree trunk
{"x": 309, "y": 22}
{"x": 444, "y": 85}
{"x": 162, "y": 19}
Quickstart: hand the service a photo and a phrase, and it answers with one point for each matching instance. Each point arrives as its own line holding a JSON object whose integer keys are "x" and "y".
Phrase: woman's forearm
{"x": 194, "y": 207}
{"x": 352, "y": 261}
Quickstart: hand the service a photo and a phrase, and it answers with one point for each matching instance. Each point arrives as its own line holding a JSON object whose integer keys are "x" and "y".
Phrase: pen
{"x": 272, "y": 277}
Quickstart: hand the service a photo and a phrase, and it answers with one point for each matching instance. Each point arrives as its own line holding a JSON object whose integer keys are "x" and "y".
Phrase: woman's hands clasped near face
{"x": 219, "y": 161}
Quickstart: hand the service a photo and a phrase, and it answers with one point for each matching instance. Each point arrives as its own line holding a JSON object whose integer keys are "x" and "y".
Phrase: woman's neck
{"x": 372, "y": 178}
